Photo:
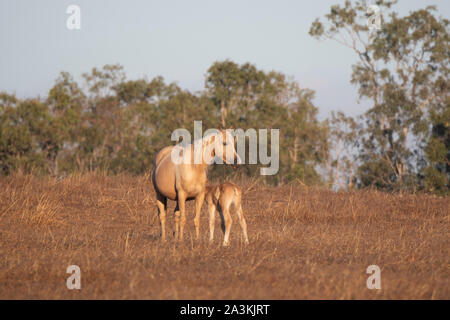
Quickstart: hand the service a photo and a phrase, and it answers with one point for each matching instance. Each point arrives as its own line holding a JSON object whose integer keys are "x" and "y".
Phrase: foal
{"x": 221, "y": 197}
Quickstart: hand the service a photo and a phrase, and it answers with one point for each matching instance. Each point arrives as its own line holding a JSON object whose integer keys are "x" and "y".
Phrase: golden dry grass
{"x": 305, "y": 243}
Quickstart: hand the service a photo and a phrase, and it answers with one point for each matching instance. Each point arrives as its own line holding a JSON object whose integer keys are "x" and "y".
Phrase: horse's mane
{"x": 204, "y": 139}
{"x": 201, "y": 142}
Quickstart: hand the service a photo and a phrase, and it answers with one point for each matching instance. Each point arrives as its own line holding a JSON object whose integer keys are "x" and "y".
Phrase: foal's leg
{"x": 228, "y": 222}
{"x": 161, "y": 202}
{"x": 182, "y": 206}
{"x": 198, "y": 208}
{"x": 212, "y": 217}
{"x": 242, "y": 222}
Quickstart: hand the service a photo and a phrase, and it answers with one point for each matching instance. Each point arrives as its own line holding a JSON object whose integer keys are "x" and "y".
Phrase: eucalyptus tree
{"x": 402, "y": 68}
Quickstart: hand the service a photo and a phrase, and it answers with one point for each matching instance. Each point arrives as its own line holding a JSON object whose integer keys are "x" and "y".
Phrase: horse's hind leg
{"x": 161, "y": 202}
{"x": 177, "y": 222}
{"x": 198, "y": 209}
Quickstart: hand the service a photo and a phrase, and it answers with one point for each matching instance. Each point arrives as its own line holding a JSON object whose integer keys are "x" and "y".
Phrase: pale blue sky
{"x": 178, "y": 39}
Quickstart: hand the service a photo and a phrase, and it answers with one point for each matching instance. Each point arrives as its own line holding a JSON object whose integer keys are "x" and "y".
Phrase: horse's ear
{"x": 209, "y": 140}
{"x": 219, "y": 126}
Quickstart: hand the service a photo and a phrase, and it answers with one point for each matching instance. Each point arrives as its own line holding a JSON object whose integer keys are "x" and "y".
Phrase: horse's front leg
{"x": 198, "y": 209}
{"x": 182, "y": 206}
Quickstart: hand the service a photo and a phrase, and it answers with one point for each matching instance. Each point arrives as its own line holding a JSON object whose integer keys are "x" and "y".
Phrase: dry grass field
{"x": 305, "y": 243}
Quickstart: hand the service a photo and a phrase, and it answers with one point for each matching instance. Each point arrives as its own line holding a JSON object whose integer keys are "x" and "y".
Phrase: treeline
{"x": 117, "y": 125}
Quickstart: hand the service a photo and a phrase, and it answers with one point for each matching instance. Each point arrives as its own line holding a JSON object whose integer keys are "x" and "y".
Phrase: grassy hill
{"x": 305, "y": 243}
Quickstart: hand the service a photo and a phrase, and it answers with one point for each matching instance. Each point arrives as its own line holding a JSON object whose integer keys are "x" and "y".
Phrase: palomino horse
{"x": 186, "y": 179}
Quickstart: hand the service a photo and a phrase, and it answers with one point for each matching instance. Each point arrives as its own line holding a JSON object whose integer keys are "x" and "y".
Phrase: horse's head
{"x": 221, "y": 145}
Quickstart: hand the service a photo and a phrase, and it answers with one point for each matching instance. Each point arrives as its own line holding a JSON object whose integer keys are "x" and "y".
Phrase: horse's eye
{"x": 224, "y": 143}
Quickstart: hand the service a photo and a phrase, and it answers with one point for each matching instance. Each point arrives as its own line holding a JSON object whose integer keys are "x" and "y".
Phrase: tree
{"x": 27, "y": 141}
{"x": 437, "y": 173}
{"x": 67, "y": 103}
{"x": 250, "y": 98}
{"x": 403, "y": 70}
{"x": 224, "y": 81}
{"x": 344, "y": 143}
